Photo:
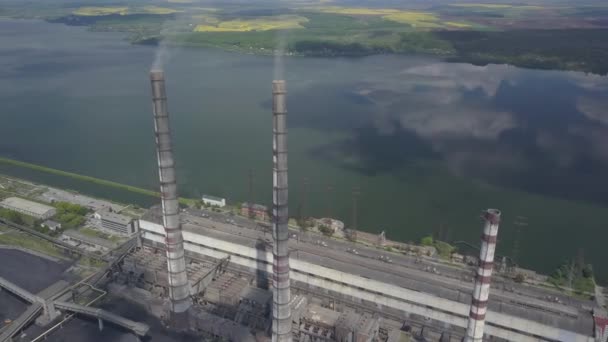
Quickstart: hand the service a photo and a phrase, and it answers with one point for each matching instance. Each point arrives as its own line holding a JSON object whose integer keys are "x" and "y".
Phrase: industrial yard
{"x": 227, "y": 264}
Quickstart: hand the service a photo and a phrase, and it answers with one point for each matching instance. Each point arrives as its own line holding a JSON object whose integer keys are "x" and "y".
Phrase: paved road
{"x": 456, "y": 274}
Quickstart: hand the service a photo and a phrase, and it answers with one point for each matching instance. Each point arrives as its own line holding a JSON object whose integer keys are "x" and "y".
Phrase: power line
{"x": 520, "y": 221}
{"x": 251, "y": 200}
{"x": 330, "y": 189}
{"x": 353, "y": 229}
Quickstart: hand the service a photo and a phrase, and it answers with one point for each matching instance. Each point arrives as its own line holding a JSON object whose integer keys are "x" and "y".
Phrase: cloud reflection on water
{"x": 541, "y": 131}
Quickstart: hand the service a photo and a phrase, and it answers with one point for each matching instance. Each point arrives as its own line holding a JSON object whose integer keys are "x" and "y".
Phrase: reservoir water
{"x": 427, "y": 144}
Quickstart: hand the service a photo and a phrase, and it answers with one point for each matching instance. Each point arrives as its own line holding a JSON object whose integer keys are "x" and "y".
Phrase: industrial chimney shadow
{"x": 261, "y": 264}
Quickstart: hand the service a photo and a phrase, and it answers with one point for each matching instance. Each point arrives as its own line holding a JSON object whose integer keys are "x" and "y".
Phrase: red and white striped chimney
{"x": 479, "y": 303}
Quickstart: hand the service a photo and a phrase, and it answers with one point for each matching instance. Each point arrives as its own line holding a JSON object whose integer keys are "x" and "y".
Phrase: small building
{"x": 256, "y": 211}
{"x": 368, "y": 238}
{"x": 397, "y": 335}
{"x": 318, "y": 324}
{"x": 214, "y": 201}
{"x": 357, "y": 327}
{"x": 459, "y": 258}
{"x": 120, "y": 224}
{"x": 322, "y": 324}
{"x": 51, "y": 225}
{"x": 225, "y": 290}
{"x": 23, "y": 206}
{"x": 337, "y": 226}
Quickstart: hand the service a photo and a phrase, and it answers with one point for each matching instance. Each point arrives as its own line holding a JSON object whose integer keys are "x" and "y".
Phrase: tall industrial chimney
{"x": 481, "y": 291}
{"x": 281, "y": 311}
{"x": 179, "y": 288}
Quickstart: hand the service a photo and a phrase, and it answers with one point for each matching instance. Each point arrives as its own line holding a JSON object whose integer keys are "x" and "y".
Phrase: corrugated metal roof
{"x": 23, "y": 204}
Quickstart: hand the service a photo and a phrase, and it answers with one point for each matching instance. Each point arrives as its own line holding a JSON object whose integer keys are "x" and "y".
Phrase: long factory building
{"x": 388, "y": 288}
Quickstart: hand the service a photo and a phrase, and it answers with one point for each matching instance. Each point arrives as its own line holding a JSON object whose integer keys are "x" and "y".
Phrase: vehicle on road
{"x": 352, "y": 250}
{"x": 385, "y": 259}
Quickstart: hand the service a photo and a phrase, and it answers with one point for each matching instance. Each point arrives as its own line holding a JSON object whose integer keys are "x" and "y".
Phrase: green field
{"x": 280, "y": 22}
{"x": 79, "y": 177}
{"x": 109, "y": 10}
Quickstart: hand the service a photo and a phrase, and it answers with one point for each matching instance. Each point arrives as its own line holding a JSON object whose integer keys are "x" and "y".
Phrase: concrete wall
{"x": 423, "y": 304}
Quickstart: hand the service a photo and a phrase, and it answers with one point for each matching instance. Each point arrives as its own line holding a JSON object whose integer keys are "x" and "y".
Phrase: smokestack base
{"x": 179, "y": 321}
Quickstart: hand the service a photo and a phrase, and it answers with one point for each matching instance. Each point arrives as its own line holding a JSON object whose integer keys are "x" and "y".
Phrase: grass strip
{"x": 103, "y": 182}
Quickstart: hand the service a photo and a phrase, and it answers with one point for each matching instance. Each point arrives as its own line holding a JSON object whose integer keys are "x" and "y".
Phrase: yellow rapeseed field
{"x": 279, "y": 22}
{"x": 91, "y": 11}
{"x": 159, "y": 10}
{"x": 457, "y": 24}
{"x": 415, "y": 19}
{"x": 356, "y": 10}
{"x": 496, "y": 6}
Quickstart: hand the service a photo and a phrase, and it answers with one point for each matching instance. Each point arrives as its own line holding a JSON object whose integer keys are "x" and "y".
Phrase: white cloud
{"x": 457, "y": 122}
{"x": 593, "y": 108}
{"x": 463, "y": 76}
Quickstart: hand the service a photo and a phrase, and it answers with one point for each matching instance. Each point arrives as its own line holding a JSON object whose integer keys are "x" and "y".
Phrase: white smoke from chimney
{"x": 162, "y": 56}
{"x": 279, "y": 55}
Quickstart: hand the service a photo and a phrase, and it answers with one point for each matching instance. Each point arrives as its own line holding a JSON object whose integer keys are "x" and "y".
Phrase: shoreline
{"x": 328, "y": 49}
{"x": 120, "y": 186}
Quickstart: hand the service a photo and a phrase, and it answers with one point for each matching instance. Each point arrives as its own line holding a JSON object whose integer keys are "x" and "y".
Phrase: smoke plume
{"x": 279, "y": 54}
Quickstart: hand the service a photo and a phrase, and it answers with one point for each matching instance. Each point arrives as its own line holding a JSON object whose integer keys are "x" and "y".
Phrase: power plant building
{"x": 23, "y": 206}
{"x": 120, "y": 224}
